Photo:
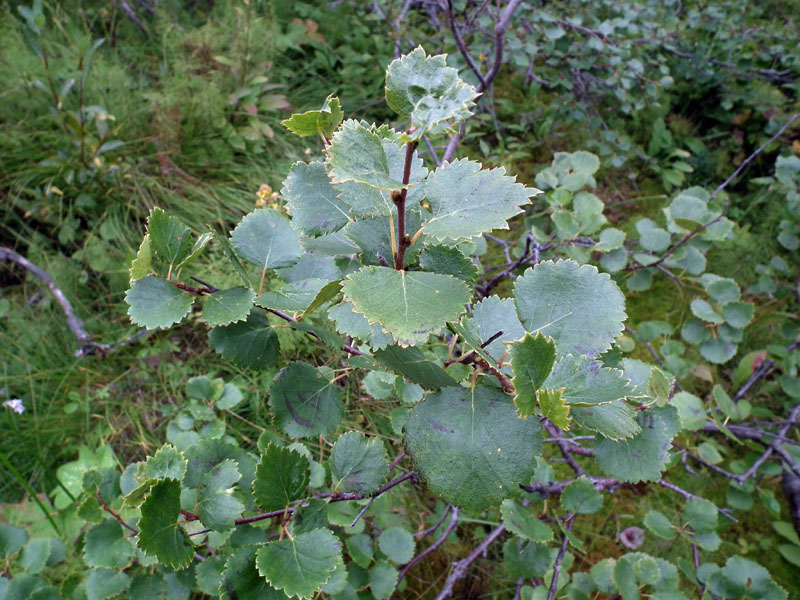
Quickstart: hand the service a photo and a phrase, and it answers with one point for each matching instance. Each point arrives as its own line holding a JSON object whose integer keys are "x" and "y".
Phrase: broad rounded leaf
{"x": 580, "y": 308}
{"x": 301, "y": 565}
{"x": 303, "y": 402}
{"x": 106, "y": 545}
{"x": 155, "y": 303}
{"x": 35, "y": 554}
{"x": 12, "y": 539}
{"x": 660, "y": 525}
{"x": 397, "y": 544}
{"x": 470, "y": 446}
{"x": 166, "y": 463}
{"x": 358, "y": 463}
{"x": 450, "y": 261}
{"x": 410, "y": 306}
{"x": 361, "y": 550}
{"x": 266, "y": 239}
{"x": 170, "y": 239}
{"x": 294, "y": 296}
{"x": 382, "y": 580}
{"x": 106, "y": 583}
{"x": 211, "y": 472}
{"x": 312, "y": 200}
{"x": 281, "y": 477}
{"x": 159, "y": 533}
{"x": 643, "y": 457}
{"x": 586, "y": 382}
{"x": 615, "y": 420}
{"x": 520, "y": 520}
{"x": 358, "y": 326}
{"x": 581, "y": 497}
{"x": 242, "y": 581}
{"x": 228, "y": 306}
{"x": 494, "y": 315}
{"x": 717, "y": 350}
{"x": 466, "y": 200}
{"x": 251, "y": 343}
{"x": 356, "y": 153}
{"x": 426, "y": 89}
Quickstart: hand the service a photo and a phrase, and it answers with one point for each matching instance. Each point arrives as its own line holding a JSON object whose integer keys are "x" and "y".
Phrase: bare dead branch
{"x": 461, "y": 567}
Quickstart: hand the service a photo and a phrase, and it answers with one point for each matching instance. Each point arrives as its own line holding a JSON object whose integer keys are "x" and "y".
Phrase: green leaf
{"x": 323, "y": 121}
{"x": 691, "y": 410}
{"x": 532, "y": 359}
{"x": 304, "y": 403}
{"x": 382, "y": 580}
{"x": 493, "y": 316}
{"x": 358, "y": 326}
{"x": 526, "y": 559}
{"x": 155, "y": 303}
{"x": 580, "y": 308}
{"x": 242, "y": 581}
{"x": 723, "y": 289}
{"x": 312, "y": 201}
{"x": 643, "y": 457}
{"x": 356, "y": 153}
{"x": 106, "y": 583}
{"x": 12, "y": 539}
{"x": 624, "y": 578}
{"x": 470, "y": 446}
{"x": 718, "y": 351}
{"x": 429, "y": 92}
{"x": 171, "y": 240}
{"x": 166, "y": 463}
{"x": 228, "y": 306}
{"x": 450, "y": 261}
{"x": 651, "y": 236}
{"x": 159, "y": 533}
{"x": 409, "y": 305}
{"x": 703, "y": 310}
{"x": 741, "y": 577}
{"x": 659, "y": 525}
{"x": 658, "y": 386}
{"x": 586, "y": 382}
{"x": 701, "y": 515}
{"x": 520, "y": 520}
{"x": 198, "y": 247}
{"x": 327, "y": 293}
{"x": 466, "y": 200}
{"x": 360, "y": 549}
{"x": 554, "y": 407}
{"x": 791, "y": 553}
{"x": 250, "y": 344}
{"x": 609, "y": 239}
{"x": 412, "y": 364}
{"x": 106, "y": 545}
{"x": 358, "y": 463}
{"x": 212, "y": 472}
{"x": 140, "y": 266}
{"x": 293, "y": 296}
{"x": 35, "y": 554}
{"x": 581, "y": 497}
{"x": 738, "y": 314}
{"x": 281, "y": 477}
{"x": 266, "y": 239}
{"x": 299, "y": 566}
{"x": 397, "y": 544}
{"x": 374, "y": 240}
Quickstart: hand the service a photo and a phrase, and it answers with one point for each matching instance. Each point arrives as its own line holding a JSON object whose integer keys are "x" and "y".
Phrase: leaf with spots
{"x": 304, "y": 402}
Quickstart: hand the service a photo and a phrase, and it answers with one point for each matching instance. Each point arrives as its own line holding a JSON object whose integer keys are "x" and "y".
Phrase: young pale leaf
{"x": 241, "y": 580}
{"x": 553, "y": 406}
{"x": 358, "y": 463}
{"x": 212, "y": 473}
{"x": 327, "y": 293}
{"x": 300, "y": 565}
{"x": 409, "y": 305}
{"x": 312, "y": 200}
{"x": 140, "y": 266}
{"x": 171, "y": 240}
{"x": 356, "y": 154}
{"x": 228, "y": 306}
{"x": 520, "y": 520}
{"x": 397, "y": 544}
{"x": 581, "y": 497}
{"x": 382, "y": 580}
{"x": 266, "y": 239}
{"x": 323, "y": 121}
{"x": 166, "y": 463}
{"x": 643, "y": 457}
{"x": 303, "y": 402}
{"x": 106, "y": 545}
{"x": 415, "y": 366}
{"x": 658, "y": 386}
{"x": 532, "y": 359}
{"x": 429, "y": 92}
{"x": 197, "y": 248}
{"x": 251, "y": 343}
{"x": 470, "y": 446}
{"x": 467, "y": 200}
{"x": 281, "y": 477}
{"x": 450, "y": 261}
{"x": 615, "y": 420}
{"x": 159, "y": 533}
{"x": 580, "y": 308}
{"x": 105, "y": 583}
{"x": 155, "y": 303}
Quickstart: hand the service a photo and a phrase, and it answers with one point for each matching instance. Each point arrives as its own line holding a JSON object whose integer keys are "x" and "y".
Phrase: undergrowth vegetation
{"x": 277, "y": 278}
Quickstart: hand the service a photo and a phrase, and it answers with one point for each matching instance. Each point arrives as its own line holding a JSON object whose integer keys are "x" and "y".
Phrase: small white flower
{"x": 15, "y": 405}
